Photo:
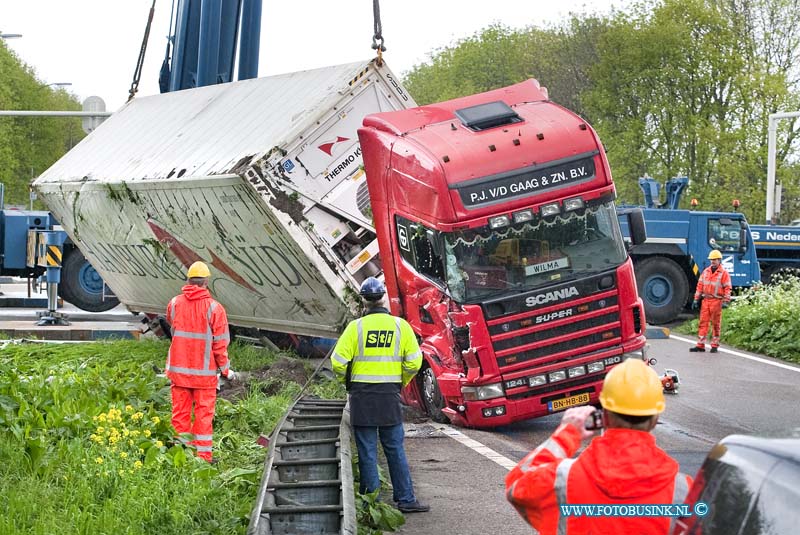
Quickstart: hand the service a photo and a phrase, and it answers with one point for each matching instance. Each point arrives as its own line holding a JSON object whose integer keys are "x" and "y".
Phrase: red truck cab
{"x": 500, "y": 244}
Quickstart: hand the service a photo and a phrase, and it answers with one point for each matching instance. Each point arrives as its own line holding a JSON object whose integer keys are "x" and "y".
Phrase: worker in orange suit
{"x": 199, "y": 351}
{"x": 714, "y": 288}
{"x": 622, "y": 467}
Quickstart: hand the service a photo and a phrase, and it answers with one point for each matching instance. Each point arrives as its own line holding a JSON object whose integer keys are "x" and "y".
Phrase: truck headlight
{"x": 499, "y": 221}
{"x": 483, "y": 392}
{"x": 560, "y": 375}
{"x": 595, "y": 367}
{"x": 550, "y": 209}
{"x": 573, "y": 204}
{"x": 577, "y": 371}
{"x": 537, "y": 380}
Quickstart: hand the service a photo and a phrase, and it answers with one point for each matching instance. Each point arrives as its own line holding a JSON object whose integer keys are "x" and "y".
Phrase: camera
{"x": 594, "y": 421}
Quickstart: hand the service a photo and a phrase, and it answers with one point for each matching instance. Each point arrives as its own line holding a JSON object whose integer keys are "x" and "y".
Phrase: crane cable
{"x": 137, "y": 73}
{"x": 377, "y": 36}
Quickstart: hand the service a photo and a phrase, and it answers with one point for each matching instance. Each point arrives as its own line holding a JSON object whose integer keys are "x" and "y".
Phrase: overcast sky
{"x": 94, "y": 44}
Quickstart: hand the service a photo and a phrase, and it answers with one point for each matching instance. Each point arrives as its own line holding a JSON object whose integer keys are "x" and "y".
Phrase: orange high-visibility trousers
{"x": 204, "y": 400}
{"x": 710, "y": 312}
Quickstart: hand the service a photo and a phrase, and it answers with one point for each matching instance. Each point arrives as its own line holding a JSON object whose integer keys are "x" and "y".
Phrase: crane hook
{"x": 377, "y": 36}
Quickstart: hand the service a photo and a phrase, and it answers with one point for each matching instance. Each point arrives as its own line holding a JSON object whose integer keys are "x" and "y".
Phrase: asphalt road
{"x": 720, "y": 394}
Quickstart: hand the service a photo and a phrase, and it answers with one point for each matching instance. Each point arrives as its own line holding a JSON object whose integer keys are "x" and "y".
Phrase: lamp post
{"x": 58, "y": 84}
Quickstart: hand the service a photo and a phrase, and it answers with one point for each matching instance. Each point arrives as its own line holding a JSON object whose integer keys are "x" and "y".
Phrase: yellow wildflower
{"x": 146, "y": 432}
{"x": 135, "y": 433}
{"x": 156, "y": 420}
{"x": 100, "y": 430}
{"x": 128, "y": 408}
{"x": 125, "y": 432}
{"x": 122, "y": 472}
{"x": 130, "y": 442}
{"x": 102, "y": 417}
{"x": 141, "y": 450}
{"x": 137, "y": 416}
{"x": 123, "y": 455}
{"x": 99, "y": 460}
{"x": 137, "y": 464}
{"x": 159, "y": 443}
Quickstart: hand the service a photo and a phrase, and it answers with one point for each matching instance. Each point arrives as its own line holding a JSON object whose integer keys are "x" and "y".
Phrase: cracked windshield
{"x": 485, "y": 263}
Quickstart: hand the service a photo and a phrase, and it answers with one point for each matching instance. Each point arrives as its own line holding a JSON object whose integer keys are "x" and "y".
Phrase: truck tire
{"x": 663, "y": 287}
{"x": 82, "y": 286}
{"x": 775, "y": 272}
{"x": 431, "y": 396}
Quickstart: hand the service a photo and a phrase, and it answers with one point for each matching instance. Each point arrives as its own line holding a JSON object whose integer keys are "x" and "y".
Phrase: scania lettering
{"x": 534, "y": 300}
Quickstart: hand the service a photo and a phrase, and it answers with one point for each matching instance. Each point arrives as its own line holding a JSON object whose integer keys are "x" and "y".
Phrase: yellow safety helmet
{"x": 715, "y": 255}
{"x": 633, "y": 388}
{"x": 198, "y": 270}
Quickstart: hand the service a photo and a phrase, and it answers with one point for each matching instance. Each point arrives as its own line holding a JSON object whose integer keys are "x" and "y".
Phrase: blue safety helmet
{"x": 372, "y": 289}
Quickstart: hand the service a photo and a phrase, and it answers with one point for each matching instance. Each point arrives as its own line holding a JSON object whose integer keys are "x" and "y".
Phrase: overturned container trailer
{"x": 262, "y": 179}
{"x": 493, "y": 215}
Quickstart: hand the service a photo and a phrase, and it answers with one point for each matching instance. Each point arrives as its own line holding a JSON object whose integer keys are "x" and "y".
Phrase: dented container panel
{"x": 141, "y": 236}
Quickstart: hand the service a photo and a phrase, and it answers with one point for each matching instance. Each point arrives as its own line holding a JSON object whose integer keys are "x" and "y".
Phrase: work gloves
{"x": 231, "y": 375}
{"x": 695, "y": 304}
{"x": 725, "y": 304}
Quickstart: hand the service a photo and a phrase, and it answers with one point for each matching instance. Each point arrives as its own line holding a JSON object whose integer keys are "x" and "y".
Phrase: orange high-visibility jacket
{"x": 714, "y": 285}
{"x": 622, "y": 466}
{"x": 199, "y": 339}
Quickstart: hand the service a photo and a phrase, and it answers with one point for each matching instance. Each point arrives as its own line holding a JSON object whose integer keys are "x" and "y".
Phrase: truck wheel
{"x": 82, "y": 286}
{"x": 432, "y": 396}
{"x": 663, "y": 287}
{"x": 775, "y": 272}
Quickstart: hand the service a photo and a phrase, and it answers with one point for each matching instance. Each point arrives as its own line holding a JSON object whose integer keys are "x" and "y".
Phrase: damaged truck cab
{"x": 500, "y": 244}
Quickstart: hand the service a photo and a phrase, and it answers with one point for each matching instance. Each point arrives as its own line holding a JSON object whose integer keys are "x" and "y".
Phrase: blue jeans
{"x": 392, "y": 441}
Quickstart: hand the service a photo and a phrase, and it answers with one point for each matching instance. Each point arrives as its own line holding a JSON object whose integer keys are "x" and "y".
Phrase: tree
{"x": 684, "y": 87}
{"x": 29, "y": 145}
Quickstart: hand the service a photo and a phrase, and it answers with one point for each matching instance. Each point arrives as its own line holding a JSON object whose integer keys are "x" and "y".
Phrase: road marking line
{"x": 743, "y": 355}
{"x": 486, "y": 451}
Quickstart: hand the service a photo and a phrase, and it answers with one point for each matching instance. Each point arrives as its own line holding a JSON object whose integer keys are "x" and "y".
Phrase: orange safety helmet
{"x": 198, "y": 270}
{"x": 633, "y": 388}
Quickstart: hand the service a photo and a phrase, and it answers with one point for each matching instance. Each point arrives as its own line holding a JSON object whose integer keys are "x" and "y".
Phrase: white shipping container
{"x": 261, "y": 179}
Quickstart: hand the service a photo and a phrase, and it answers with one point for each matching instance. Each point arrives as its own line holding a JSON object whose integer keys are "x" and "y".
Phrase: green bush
{"x": 763, "y": 319}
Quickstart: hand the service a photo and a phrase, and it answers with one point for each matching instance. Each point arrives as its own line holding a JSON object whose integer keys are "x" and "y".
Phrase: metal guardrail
{"x": 307, "y": 485}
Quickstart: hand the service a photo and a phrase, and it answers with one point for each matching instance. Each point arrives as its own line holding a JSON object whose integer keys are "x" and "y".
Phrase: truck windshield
{"x": 482, "y": 262}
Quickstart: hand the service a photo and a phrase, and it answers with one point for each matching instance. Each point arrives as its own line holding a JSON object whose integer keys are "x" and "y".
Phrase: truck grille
{"x": 584, "y": 320}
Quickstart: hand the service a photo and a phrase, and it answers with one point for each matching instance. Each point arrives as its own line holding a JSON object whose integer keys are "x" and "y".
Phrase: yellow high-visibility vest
{"x": 382, "y": 349}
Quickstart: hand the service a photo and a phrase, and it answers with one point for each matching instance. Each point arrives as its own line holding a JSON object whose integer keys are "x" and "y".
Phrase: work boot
{"x": 713, "y": 350}
{"x": 413, "y": 507}
{"x": 697, "y": 349}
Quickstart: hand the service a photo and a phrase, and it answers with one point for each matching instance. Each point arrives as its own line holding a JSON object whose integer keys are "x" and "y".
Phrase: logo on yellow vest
{"x": 379, "y": 338}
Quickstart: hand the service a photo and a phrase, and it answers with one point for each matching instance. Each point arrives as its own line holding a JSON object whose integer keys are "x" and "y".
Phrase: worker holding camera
{"x": 623, "y": 466}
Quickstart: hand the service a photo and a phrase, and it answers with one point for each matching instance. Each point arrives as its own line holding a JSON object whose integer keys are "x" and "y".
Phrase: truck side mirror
{"x": 743, "y": 236}
{"x": 638, "y": 230}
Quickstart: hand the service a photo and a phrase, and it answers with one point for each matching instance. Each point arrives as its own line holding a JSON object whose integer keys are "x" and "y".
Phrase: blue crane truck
{"x": 668, "y": 264}
{"x": 21, "y": 231}
{"x": 778, "y": 249}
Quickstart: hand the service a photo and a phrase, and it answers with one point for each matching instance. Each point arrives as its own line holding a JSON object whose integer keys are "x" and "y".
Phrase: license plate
{"x": 565, "y": 403}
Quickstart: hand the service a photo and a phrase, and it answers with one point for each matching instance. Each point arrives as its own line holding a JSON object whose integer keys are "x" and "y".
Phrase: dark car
{"x": 751, "y": 486}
